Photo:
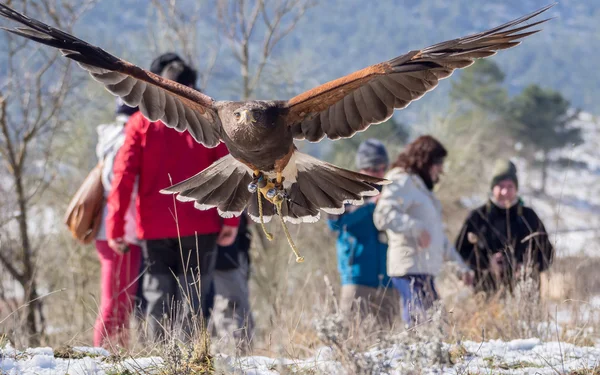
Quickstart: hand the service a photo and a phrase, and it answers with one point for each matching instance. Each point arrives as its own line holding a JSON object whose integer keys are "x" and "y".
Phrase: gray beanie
{"x": 371, "y": 153}
{"x": 504, "y": 169}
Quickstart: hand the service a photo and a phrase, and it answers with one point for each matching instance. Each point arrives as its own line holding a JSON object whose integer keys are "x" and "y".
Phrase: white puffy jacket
{"x": 406, "y": 208}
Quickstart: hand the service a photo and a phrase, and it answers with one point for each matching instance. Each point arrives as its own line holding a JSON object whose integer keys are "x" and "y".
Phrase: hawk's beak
{"x": 246, "y": 117}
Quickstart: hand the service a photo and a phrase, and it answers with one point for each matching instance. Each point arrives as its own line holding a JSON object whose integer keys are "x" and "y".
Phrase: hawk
{"x": 264, "y": 172}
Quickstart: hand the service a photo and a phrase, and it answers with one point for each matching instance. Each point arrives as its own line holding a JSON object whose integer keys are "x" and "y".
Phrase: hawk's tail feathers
{"x": 318, "y": 186}
{"x": 223, "y": 185}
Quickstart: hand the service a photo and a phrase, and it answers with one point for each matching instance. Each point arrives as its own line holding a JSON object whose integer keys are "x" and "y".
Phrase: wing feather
{"x": 370, "y": 95}
{"x": 352, "y": 114}
{"x": 122, "y": 88}
{"x": 178, "y": 106}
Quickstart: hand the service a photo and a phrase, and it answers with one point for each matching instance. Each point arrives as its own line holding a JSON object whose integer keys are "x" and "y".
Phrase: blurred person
{"x": 231, "y": 315}
{"x": 504, "y": 238}
{"x": 119, "y": 270}
{"x": 361, "y": 250}
{"x": 180, "y": 240}
{"x": 411, "y": 215}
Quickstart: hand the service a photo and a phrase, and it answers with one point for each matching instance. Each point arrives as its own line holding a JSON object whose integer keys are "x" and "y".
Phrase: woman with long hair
{"x": 411, "y": 216}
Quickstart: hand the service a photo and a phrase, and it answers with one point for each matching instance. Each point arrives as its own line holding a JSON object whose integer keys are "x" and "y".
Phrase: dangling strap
{"x": 260, "y": 214}
{"x": 299, "y": 259}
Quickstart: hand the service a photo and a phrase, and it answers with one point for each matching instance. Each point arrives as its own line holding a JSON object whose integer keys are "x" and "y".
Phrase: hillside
{"x": 337, "y": 37}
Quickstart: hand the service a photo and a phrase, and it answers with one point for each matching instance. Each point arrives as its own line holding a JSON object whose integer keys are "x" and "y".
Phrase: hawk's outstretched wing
{"x": 342, "y": 107}
{"x": 178, "y": 106}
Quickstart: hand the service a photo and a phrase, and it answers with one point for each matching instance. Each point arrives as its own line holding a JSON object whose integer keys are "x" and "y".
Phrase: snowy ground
{"x": 516, "y": 357}
{"x": 42, "y": 361}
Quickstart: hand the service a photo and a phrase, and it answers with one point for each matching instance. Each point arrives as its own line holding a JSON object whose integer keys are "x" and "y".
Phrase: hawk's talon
{"x": 272, "y": 192}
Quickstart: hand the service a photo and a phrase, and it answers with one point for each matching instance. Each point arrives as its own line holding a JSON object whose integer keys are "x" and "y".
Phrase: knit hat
{"x": 124, "y": 109}
{"x": 177, "y": 69}
{"x": 371, "y": 153}
{"x": 504, "y": 169}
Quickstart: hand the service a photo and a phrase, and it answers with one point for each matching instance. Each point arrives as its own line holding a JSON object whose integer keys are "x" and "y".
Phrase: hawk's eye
{"x": 257, "y": 115}
{"x": 237, "y": 115}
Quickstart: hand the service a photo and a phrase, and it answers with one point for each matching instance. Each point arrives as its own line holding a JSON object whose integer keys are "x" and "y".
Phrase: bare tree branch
{"x": 31, "y": 111}
{"x": 179, "y": 27}
{"x": 279, "y": 18}
{"x": 6, "y": 263}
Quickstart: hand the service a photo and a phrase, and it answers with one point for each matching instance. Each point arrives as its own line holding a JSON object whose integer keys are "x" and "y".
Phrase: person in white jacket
{"x": 119, "y": 270}
{"x": 411, "y": 215}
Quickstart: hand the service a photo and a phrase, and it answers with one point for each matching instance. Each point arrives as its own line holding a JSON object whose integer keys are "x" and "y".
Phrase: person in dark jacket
{"x": 362, "y": 249}
{"x": 180, "y": 240}
{"x": 231, "y": 317}
{"x": 504, "y": 240}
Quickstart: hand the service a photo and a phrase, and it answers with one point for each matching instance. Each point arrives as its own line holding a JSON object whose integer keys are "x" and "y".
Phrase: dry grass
{"x": 295, "y": 313}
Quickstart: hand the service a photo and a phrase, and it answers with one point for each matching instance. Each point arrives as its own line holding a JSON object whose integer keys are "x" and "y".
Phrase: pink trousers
{"x": 119, "y": 281}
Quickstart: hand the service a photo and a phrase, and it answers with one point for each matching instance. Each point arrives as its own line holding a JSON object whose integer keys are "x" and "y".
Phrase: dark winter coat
{"x": 517, "y": 232}
{"x": 228, "y": 256}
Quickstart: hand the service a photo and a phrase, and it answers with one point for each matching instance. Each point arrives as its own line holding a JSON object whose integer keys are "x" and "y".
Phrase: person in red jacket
{"x": 180, "y": 240}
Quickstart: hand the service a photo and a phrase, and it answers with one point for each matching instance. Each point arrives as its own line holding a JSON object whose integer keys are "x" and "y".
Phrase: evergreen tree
{"x": 481, "y": 86}
{"x": 544, "y": 119}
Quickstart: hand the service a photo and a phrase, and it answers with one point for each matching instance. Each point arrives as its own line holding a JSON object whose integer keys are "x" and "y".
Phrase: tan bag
{"x": 84, "y": 213}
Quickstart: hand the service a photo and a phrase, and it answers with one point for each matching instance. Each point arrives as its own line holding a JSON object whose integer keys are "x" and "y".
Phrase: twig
{"x": 32, "y": 301}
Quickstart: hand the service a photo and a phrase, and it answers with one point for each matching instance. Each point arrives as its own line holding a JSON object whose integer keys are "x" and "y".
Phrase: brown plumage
{"x": 260, "y": 134}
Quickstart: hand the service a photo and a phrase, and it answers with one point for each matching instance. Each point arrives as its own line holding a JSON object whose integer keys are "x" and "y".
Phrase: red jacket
{"x": 154, "y": 153}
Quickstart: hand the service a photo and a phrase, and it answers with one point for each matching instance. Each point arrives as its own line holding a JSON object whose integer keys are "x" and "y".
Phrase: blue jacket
{"x": 361, "y": 256}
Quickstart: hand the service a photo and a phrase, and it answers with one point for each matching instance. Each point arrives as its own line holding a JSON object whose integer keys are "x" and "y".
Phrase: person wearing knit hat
{"x": 505, "y": 184}
{"x": 170, "y": 65}
{"x": 174, "y": 250}
{"x": 362, "y": 249}
{"x": 504, "y": 169}
{"x": 504, "y": 239}
{"x": 371, "y": 154}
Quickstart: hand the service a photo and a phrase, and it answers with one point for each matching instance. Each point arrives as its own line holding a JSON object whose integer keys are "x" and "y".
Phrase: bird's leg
{"x": 256, "y": 186}
{"x": 253, "y": 186}
{"x": 279, "y": 181}
{"x": 299, "y": 259}
{"x": 273, "y": 190}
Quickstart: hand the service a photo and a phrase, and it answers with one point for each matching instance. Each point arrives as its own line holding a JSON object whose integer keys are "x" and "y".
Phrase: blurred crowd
{"x": 391, "y": 249}
{"x": 177, "y": 268}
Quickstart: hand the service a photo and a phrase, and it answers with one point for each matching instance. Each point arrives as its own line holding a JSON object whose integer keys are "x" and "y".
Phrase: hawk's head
{"x": 252, "y": 113}
{"x": 246, "y": 116}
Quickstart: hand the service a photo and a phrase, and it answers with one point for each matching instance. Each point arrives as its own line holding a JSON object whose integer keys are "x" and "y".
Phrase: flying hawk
{"x": 265, "y": 172}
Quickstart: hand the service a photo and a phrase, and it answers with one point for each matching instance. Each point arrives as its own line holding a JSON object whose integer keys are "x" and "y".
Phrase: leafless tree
{"x": 251, "y": 28}
{"x": 34, "y": 87}
{"x": 260, "y": 24}
{"x": 179, "y": 28}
